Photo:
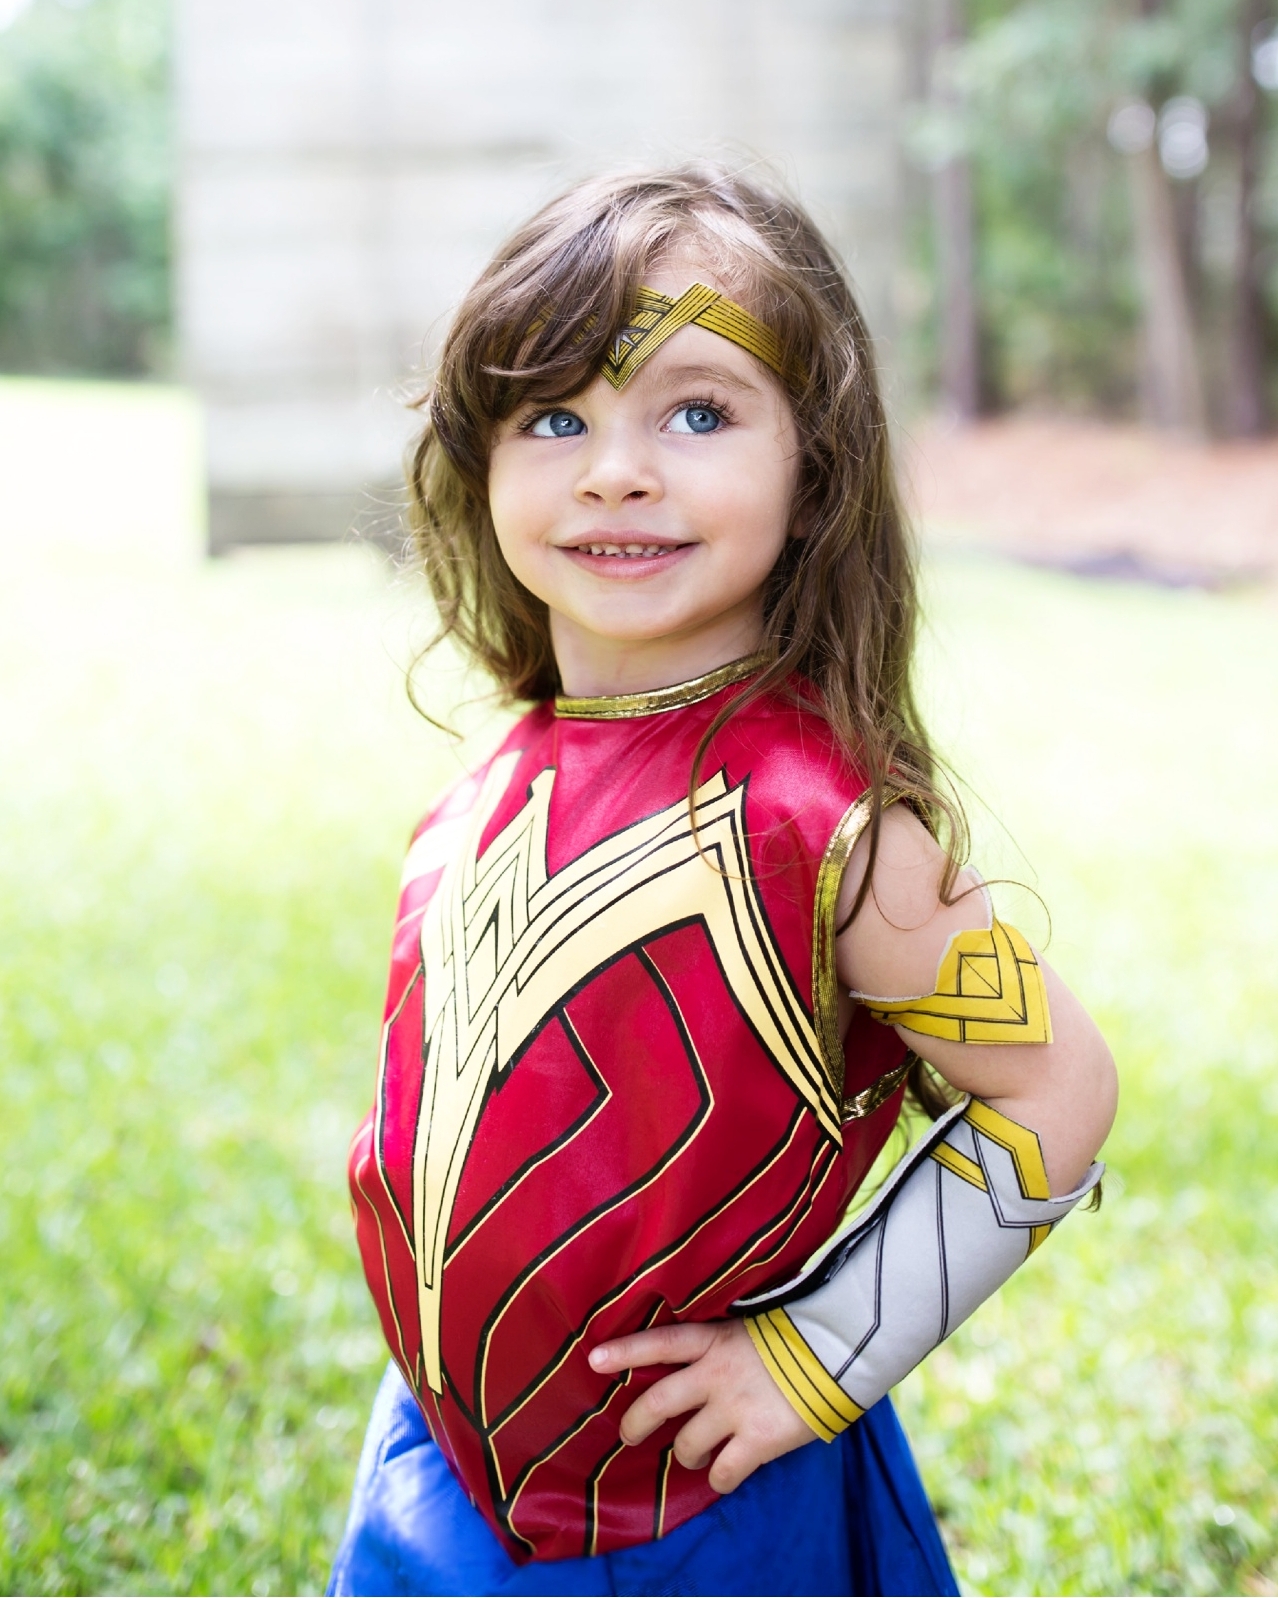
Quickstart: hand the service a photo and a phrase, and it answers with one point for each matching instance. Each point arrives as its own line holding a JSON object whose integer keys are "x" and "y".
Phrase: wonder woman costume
{"x": 613, "y": 1094}
{"x": 612, "y": 1091}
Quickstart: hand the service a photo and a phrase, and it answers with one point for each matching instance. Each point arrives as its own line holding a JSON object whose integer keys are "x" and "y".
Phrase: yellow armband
{"x": 989, "y": 989}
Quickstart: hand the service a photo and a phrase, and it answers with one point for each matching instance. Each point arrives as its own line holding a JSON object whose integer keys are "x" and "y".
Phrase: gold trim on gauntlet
{"x": 961, "y": 1212}
{"x": 801, "y": 1376}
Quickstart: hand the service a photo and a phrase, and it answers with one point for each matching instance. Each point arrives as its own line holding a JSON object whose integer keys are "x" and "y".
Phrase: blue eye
{"x": 557, "y": 424}
{"x": 695, "y": 419}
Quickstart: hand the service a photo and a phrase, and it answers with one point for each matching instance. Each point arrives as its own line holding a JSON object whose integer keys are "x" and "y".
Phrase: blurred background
{"x": 231, "y": 235}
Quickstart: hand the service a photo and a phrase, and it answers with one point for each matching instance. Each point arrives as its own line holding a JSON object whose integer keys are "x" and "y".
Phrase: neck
{"x": 590, "y": 665}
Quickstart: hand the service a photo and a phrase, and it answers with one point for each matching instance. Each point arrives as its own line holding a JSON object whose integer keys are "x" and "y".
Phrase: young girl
{"x": 668, "y": 964}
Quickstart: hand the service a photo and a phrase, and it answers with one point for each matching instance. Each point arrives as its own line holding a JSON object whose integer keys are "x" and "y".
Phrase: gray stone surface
{"x": 348, "y": 165}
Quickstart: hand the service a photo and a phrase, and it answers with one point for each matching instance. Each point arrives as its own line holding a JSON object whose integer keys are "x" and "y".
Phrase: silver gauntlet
{"x": 966, "y": 1206}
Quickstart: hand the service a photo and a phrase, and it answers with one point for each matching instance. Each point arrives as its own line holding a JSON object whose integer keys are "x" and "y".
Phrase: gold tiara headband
{"x": 656, "y": 316}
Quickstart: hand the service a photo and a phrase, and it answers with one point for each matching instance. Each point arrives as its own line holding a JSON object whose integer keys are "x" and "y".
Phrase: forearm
{"x": 962, "y": 1211}
{"x": 984, "y": 1187}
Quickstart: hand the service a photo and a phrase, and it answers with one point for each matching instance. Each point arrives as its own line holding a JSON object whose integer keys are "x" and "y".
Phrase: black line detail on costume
{"x": 502, "y": 1506}
{"x": 583, "y": 1224}
{"x": 471, "y": 1418}
{"x": 645, "y": 1266}
{"x": 877, "y": 1319}
{"x": 635, "y": 947}
{"x": 787, "y": 1220}
{"x": 602, "y": 1095}
{"x": 830, "y": 1266}
{"x": 782, "y": 977}
{"x": 592, "y": 1498}
{"x": 821, "y": 1094}
{"x": 942, "y": 1264}
{"x": 371, "y": 1202}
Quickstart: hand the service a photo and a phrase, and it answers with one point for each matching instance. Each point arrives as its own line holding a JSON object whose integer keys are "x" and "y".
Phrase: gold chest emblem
{"x": 503, "y": 942}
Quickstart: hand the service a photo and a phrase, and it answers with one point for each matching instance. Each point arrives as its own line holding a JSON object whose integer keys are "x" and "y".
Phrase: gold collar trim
{"x": 620, "y": 707}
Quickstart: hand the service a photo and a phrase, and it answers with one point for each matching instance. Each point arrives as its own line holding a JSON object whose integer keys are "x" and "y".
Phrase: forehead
{"x": 680, "y": 269}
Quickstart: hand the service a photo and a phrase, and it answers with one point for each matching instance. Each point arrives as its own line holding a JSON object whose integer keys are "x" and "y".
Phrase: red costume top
{"x": 612, "y": 1092}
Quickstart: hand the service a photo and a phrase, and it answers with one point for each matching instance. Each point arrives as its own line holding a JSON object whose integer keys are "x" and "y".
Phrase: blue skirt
{"x": 843, "y": 1517}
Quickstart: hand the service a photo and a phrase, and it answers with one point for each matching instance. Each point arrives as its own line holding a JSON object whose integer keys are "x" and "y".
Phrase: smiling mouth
{"x": 626, "y": 551}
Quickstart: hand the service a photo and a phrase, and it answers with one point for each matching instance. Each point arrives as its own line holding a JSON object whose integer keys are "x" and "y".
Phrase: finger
{"x": 738, "y": 1458}
{"x": 659, "y": 1345}
{"x": 698, "y": 1438}
{"x": 673, "y": 1395}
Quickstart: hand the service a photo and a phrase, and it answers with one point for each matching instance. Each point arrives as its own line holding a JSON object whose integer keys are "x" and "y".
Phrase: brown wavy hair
{"x": 841, "y": 609}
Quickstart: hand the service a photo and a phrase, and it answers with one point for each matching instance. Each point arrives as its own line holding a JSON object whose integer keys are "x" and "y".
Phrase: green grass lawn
{"x": 207, "y": 775}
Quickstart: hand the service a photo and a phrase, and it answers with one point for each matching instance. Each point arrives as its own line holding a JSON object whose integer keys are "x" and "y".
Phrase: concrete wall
{"x": 347, "y": 166}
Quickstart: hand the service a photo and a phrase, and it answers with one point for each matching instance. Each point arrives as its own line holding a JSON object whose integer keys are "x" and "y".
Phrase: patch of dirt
{"x": 1100, "y": 499}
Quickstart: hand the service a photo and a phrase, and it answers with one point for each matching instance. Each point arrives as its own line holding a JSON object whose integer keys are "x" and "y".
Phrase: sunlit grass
{"x": 1110, "y": 1423}
{"x": 207, "y": 774}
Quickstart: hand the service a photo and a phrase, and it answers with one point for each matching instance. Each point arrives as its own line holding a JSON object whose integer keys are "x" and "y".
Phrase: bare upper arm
{"x": 1066, "y": 1090}
{"x": 893, "y": 947}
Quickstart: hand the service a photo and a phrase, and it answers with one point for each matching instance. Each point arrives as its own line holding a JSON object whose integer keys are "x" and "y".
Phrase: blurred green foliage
{"x": 1035, "y": 85}
{"x": 85, "y": 169}
{"x": 86, "y": 165}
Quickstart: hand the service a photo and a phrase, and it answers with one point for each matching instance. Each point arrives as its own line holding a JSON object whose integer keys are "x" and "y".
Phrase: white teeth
{"x": 627, "y": 551}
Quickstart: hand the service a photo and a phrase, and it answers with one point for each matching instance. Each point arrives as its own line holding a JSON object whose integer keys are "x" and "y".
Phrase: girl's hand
{"x": 736, "y": 1402}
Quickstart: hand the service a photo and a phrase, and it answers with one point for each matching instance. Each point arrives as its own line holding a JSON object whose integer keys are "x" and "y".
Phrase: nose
{"x": 617, "y": 468}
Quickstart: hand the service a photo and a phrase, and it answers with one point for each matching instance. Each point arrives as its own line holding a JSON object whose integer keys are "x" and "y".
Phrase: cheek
{"x": 516, "y": 508}
{"x": 503, "y": 500}
{"x": 751, "y": 501}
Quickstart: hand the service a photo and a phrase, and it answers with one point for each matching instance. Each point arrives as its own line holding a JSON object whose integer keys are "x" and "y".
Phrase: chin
{"x": 636, "y": 630}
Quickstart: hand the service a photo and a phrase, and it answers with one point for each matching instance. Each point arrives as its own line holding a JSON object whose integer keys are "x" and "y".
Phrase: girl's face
{"x": 649, "y": 519}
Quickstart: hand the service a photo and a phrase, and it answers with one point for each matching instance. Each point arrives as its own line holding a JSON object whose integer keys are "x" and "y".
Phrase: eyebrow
{"x": 675, "y": 376}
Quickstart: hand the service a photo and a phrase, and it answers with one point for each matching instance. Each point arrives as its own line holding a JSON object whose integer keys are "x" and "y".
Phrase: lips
{"x": 626, "y": 557}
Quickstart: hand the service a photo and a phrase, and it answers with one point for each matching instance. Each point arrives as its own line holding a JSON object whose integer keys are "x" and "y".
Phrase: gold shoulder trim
{"x": 621, "y": 707}
{"x": 814, "y": 1394}
{"x": 825, "y": 978}
{"x": 825, "y": 981}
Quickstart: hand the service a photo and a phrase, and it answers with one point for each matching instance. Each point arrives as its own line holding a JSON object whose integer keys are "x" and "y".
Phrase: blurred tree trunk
{"x": 955, "y": 237}
{"x": 1171, "y": 381}
{"x": 1171, "y": 386}
{"x": 1245, "y": 393}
